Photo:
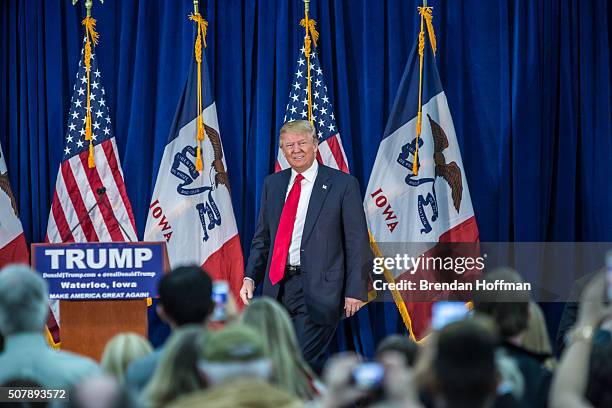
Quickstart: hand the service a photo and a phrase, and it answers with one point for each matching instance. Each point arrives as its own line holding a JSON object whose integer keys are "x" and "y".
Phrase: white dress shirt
{"x": 310, "y": 176}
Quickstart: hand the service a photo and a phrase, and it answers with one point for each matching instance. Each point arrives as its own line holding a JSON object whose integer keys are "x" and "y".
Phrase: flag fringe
{"x": 399, "y": 302}
{"x": 50, "y": 340}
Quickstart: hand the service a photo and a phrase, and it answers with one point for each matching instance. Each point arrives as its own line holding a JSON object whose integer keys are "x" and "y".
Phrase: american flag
{"x": 331, "y": 153}
{"x": 79, "y": 188}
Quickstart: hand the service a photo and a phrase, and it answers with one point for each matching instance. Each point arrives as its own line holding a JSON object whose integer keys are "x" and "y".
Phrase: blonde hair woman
{"x": 535, "y": 337}
{"x": 177, "y": 373}
{"x": 120, "y": 351}
{"x": 290, "y": 372}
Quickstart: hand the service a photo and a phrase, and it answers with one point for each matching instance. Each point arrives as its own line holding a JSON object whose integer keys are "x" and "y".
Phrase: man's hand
{"x": 351, "y": 306}
{"x": 246, "y": 291}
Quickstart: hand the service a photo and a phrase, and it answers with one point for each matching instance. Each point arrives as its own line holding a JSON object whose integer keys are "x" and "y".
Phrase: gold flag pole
{"x": 199, "y": 43}
{"x": 426, "y": 14}
{"x": 309, "y": 27}
{"x": 91, "y": 36}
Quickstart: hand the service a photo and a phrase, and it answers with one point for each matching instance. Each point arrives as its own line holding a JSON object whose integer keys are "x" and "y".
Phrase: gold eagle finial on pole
{"x": 88, "y": 5}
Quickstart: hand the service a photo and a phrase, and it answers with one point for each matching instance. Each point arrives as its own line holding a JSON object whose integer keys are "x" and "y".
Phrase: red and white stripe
{"x": 75, "y": 193}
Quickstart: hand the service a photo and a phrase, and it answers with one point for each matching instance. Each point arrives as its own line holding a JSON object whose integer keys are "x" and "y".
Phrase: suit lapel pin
{"x": 324, "y": 186}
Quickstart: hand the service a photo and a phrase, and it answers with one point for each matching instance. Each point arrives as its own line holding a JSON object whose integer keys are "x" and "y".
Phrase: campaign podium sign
{"x": 84, "y": 271}
{"x": 102, "y": 288}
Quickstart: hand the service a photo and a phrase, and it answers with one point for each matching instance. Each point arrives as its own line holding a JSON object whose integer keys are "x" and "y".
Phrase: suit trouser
{"x": 314, "y": 339}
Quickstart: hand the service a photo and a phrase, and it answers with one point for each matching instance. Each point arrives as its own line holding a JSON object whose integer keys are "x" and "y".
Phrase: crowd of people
{"x": 498, "y": 355}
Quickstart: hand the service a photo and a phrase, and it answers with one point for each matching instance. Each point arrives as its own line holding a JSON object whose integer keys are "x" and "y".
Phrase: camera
{"x": 443, "y": 313}
{"x": 368, "y": 377}
{"x": 220, "y": 293}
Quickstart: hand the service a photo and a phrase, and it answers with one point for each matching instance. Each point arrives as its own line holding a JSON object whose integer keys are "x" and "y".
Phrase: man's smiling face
{"x": 300, "y": 150}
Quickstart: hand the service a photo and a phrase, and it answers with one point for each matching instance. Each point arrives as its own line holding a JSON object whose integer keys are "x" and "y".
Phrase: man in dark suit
{"x": 311, "y": 248}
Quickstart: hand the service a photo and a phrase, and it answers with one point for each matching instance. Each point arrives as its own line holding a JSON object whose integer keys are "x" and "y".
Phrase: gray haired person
{"x": 24, "y": 306}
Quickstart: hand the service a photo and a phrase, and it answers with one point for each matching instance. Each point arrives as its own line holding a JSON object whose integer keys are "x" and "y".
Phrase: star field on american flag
{"x": 75, "y": 142}
{"x": 322, "y": 110}
{"x": 331, "y": 152}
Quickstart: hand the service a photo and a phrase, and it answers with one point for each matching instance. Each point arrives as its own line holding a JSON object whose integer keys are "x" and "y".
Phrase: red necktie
{"x": 285, "y": 231}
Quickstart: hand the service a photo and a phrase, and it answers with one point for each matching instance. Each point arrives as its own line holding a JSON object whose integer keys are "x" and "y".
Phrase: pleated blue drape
{"x": 528, "y": 84}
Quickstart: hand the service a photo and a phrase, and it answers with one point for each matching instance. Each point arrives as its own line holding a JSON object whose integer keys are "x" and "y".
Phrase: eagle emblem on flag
{"x": 449, "y": 172}
{"x": 6, "y": 187}
{"x": 217, "y": 164}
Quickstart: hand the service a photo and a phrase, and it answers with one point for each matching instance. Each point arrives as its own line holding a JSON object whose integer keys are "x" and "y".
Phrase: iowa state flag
{"x": 190, "y": 210}
{"x": 433, "y": 206}
{"x": 13, "y": 247}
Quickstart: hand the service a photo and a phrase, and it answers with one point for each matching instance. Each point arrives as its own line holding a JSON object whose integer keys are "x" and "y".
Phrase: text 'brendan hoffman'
{"x": 426, "y": 285}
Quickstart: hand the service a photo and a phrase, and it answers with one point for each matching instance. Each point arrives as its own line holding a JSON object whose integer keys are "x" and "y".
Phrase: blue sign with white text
{"x": 100, "y": 271}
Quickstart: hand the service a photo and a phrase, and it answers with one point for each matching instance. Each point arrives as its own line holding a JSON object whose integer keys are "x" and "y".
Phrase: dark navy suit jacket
{"x": 335, "y": 252}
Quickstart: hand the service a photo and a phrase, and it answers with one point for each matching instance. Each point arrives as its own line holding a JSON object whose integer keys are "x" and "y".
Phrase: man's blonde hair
{"x": 299, "y": 126}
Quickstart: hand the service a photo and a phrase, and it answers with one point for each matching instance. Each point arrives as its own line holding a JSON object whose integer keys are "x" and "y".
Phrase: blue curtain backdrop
{"x": 528, "y": 84}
